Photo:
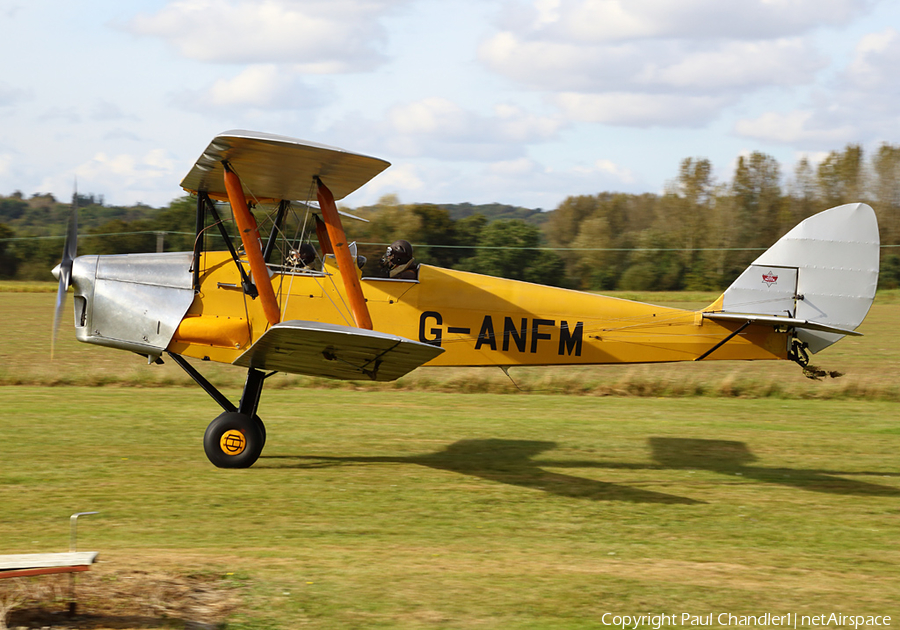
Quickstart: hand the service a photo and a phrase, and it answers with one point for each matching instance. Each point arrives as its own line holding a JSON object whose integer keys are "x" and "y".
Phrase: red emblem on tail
{"x": 770, "y": 278}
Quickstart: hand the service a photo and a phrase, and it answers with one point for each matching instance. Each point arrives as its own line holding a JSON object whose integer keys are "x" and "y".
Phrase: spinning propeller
{"x": 63, "y": 271}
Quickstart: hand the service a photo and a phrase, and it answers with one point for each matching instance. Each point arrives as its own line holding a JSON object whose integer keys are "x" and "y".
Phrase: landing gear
{"x": 235, "y": 438}
{"x": 797, "y": 352}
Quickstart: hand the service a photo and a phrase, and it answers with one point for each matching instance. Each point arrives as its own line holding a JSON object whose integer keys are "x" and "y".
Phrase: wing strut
{"x": 322, "y": 235}
{"x": 250, "y": 238}
{"x": 345, "y": 261}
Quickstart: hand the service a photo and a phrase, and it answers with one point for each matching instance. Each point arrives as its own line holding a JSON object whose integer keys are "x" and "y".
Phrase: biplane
{"x": 248, "y": 304}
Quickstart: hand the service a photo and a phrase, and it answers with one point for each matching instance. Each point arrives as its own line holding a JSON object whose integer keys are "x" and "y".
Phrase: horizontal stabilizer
{"x": 774, "y": 320}
{"x": 274, "y": 167}
{"x": 332, "y": 351}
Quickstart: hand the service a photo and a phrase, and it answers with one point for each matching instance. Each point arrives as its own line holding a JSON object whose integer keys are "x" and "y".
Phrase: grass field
{"x": 444, "y": 502}
{"x": 416, "y": 510}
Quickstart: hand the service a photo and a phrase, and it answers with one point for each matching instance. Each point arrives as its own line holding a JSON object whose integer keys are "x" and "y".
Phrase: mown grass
{"x": 870, "y": 364}
{"x": 409, "y": 509}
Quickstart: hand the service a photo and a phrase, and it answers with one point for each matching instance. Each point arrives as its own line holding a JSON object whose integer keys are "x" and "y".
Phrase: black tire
{"x": 233, "y": 440}
{"x": 262, "y": 430}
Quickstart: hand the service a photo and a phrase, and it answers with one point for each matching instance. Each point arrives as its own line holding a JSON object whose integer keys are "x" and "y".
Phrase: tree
{"x": 468, "y": 234}
{"x": 435, "y": 228}
{"x": 655, "y": 267}
{"x": 8, "y": 261}
{"x": 683, "y": 213}
{"x": 756, "y": 189}
{"x": 886, "y": 168}
{"x": 563, "y": 224}
{"x": 510, "y": 248}
{"x": 803, "y": 193}
{"x": 118, "y": 237}
{"x": 591, "y": 258}
{"x": 12, "y": 209}
{"x": 889, "y": 277}
{"x": 841, "y": 176}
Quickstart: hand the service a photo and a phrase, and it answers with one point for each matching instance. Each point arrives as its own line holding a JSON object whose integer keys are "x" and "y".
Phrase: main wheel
{"x": 233, "y": 440}
{"x": 262, "y": 430}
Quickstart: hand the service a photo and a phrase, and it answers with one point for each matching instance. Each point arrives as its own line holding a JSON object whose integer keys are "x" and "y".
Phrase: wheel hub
{"x": 233, "y": 442}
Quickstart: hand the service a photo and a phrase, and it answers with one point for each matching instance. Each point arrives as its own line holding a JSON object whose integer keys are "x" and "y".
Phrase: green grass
{"x": 28, "y": 286}
{"x": 382, "y": 509}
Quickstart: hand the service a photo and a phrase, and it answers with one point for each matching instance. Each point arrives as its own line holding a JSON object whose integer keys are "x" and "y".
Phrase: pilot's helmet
{"x": 398, "y": 253}
{"x": 307, "y": 254}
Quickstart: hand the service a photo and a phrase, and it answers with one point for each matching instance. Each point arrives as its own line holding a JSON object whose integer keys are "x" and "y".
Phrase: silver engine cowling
{"x": 132, "y": 301}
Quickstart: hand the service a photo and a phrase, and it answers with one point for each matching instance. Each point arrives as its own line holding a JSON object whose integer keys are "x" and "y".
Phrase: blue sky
{"x": 512, "y": 101}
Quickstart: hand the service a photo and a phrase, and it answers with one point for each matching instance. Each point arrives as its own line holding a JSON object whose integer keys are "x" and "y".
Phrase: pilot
{"x": 399, "y": 261}
{"x": 303, "y": 257}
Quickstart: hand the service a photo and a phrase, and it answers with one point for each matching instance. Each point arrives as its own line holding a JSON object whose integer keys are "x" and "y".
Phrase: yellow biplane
{"x": 253, "y": 306}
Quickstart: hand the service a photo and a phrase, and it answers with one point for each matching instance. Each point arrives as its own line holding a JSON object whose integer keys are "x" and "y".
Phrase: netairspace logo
{"x": 787, "y": 620}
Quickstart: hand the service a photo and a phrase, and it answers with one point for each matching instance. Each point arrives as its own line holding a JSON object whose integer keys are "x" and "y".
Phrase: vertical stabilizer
{"x": 825, "y": 270}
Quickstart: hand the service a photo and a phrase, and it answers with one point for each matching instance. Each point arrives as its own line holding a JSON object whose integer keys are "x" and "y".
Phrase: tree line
{"x": 698, "y": 234}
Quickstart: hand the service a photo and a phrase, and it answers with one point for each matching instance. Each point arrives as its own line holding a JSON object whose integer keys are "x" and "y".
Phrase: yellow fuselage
{"x": 478, "y": 320}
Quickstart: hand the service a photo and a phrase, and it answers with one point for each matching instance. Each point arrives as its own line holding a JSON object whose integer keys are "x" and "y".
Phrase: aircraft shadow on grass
{"x": 513, "y": 462}
{"x": 734, "y": 458}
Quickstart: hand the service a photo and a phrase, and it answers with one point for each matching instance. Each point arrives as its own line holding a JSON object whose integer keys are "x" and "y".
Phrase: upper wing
{"x": 332, "y": 351}
{"x": 274, "y": 167}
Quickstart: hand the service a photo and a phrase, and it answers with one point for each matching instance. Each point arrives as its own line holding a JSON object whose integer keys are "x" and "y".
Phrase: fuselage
{"x": 145, "y": 303}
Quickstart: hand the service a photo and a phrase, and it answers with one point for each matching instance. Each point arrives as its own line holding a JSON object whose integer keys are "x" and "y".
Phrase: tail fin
{"x": 819, "y": 278}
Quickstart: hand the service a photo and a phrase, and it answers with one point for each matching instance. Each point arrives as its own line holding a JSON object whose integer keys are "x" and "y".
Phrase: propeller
{"x": 63, "y": 271}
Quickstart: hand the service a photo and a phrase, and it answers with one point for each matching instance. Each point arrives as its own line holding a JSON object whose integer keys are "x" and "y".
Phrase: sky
{"x": 521, "y": 102}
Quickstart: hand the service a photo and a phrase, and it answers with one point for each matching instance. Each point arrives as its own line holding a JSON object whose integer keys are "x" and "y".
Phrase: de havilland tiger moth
{"x": 256, "y": 306}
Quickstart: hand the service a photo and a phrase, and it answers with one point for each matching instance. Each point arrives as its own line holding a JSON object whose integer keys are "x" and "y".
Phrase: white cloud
{"x": 610, "y": 169}
{"x": 5, "y": 162}
{"x": 11, "y": 96}
{"x": 620, "y": 20}
{"x": 403, "y": 176}
{"x": 148, "y": 178}
{"x": 530, "y": 183}
{"x": 69, "y": 114}
{"x": 439, "y": 128}
{"x": 262, "y": 86}
{"x": 796, "y": 127}
{"x": 550, "y": 65}
{"x": 875, "y": 63}
{"x": 520, "y": 167}
{"x": 641, "y": 110}
{"x": 431, "y": 116}
{"x": 320, "y": 36}
{"x": 735, "y": 64}
{"x": 663, "y": 65}
{"x": 105, "y": 111}
{"x": 520, "y": 181}
{"x": 705, "y": 54}
{"x": 130, "y": 168}
{"x": 118, "y": 133}
{"x": 858, "y": 106}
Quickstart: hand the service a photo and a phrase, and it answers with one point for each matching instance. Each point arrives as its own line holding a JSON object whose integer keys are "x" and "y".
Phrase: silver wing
{"x": 333, "y": 351}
